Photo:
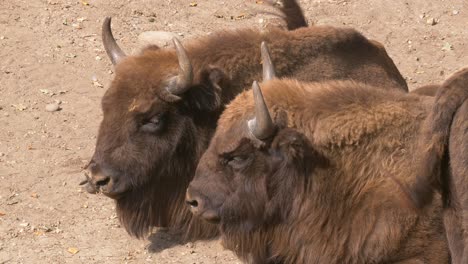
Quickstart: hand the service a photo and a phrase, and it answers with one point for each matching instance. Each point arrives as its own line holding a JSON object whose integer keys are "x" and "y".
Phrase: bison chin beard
{"x": 160, "y": 203}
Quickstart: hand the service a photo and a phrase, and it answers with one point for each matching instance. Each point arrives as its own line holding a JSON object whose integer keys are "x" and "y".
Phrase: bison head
{"x": 159, "y": 114}
{"x": 253, "y": 168}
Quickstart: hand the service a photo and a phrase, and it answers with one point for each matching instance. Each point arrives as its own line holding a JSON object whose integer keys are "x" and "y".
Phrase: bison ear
{"x": 297, "y": 151}
{"x": 208, "y": 95}
{"x": 290, "y": 143}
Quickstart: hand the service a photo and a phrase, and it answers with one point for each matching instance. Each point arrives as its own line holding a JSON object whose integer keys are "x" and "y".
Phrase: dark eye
{"x": 154, "y": 124}
{"x": 238, "y": 162}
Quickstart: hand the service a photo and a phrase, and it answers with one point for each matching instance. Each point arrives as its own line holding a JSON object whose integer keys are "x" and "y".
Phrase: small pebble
{"x": 455, "y": 12}
{"x": 52, "y": 107}
{"x": 431, "y": 21}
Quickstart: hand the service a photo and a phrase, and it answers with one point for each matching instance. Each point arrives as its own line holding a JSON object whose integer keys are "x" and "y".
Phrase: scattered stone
{"x": 98, "y": 58}
{"x": 52, "y": 107}
{"x": 151, "y": 19}
{"x": 447, "y": 47}
{"x": 19, "y": 107}
{"x": 455, "y": 12}
{"x": 45, "y": 228}
{"x": 431, "y": 21}
{"x": 2, "y": 37}
{"x": 47, "y": 92}
{"x": 24, "y": 224}
{"x": 73, "y": 250}
{"x": 193, "y": 4}
{"x": 158, "y": 38}
{"x": 98, "y": 84}
{"x": 77, "y": 25}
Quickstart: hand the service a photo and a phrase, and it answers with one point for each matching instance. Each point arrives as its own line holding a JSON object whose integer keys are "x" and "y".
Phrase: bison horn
{"x": 110, "y": 45}
{"x": 261, "y": 126}
{"x": 185, "y": 77}
{"x": 268, "y": 69}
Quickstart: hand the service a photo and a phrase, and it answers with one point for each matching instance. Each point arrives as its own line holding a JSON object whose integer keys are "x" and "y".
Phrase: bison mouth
{"x": 208, "y": 214}
{"x": 103, "y": 185}
{"x": 211, "y": 216}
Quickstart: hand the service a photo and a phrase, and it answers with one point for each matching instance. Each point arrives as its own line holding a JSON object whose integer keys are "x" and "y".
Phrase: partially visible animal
{"x": 161, "y": 108}
{"x": 292, "y": 14}
{"x": 312, "y": 173}
{"x": 443, "y": 162}
{"x": 427, "y": 90}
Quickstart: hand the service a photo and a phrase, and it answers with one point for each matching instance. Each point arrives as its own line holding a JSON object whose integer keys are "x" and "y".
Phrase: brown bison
{"x": 160, "y": 110}
{"x": 315, "y": 177}
{"x": 444, "y": 142}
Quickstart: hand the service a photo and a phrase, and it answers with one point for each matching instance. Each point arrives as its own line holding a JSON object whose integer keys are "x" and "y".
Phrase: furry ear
{"x": 208, "y": 95}
{"x": 297, "y": 151}
{"x": 290, "y": 143}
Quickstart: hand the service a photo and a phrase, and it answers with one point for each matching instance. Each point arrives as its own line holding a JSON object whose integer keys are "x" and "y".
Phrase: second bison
{"x": 313, "y": 173}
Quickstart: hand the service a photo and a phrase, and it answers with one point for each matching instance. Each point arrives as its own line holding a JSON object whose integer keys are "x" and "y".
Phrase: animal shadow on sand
{"x": 162, "y": 239}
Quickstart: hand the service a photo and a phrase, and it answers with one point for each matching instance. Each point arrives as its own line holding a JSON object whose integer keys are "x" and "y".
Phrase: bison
{"x": 313, "y": 173}
{"x": 444, "y": 142}
{"x": 161, "y": 108}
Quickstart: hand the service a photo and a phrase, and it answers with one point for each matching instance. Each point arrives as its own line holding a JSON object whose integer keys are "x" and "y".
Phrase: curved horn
{"x": 261, "y": 126}
{"x": 185, "y": 77}
{"x": 268, "y": 68}
{"x": 110, "y": 45}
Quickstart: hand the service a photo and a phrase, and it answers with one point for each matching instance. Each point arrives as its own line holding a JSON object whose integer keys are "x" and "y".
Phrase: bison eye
{"x": 154, "y": 124}
{"x": 238, "y": 162}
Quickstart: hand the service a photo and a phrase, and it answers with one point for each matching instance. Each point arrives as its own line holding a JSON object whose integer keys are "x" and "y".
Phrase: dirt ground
{"x": 51, "y": 50}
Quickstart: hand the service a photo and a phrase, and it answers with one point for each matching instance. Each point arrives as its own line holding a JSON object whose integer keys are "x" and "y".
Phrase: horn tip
{"x": 176, "y": 41}
{"x": 255, "y": 86}
{"x": 107, "y": 20}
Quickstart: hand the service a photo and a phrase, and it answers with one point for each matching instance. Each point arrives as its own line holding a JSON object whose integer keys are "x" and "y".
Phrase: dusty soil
{"x": 51, "y": 50}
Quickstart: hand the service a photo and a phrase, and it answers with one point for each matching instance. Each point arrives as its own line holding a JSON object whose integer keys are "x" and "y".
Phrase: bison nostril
{"x": 192, "y": 203}
{"x": 103, "y": 182}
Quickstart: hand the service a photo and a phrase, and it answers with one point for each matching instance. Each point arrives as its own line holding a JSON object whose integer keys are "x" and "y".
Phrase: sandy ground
{"x": 51, "y": 50}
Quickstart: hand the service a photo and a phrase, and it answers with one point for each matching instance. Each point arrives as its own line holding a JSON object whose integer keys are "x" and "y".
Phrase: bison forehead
{"x": 145, "y": 73}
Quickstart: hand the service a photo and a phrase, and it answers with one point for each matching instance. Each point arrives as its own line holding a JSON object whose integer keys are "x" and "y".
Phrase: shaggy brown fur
{"x": 455, "y": 213}
{"x": 324, "y": 188}
{"x": 444, "y": 161}
{"x": 149, "y": 141}
{"x": 428, "y": 90}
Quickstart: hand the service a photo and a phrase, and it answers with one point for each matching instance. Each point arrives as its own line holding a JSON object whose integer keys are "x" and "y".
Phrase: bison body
{"x": 321, "y": 181}
{"x": 161, "y": 108}
{"x": 443, "y": 161}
